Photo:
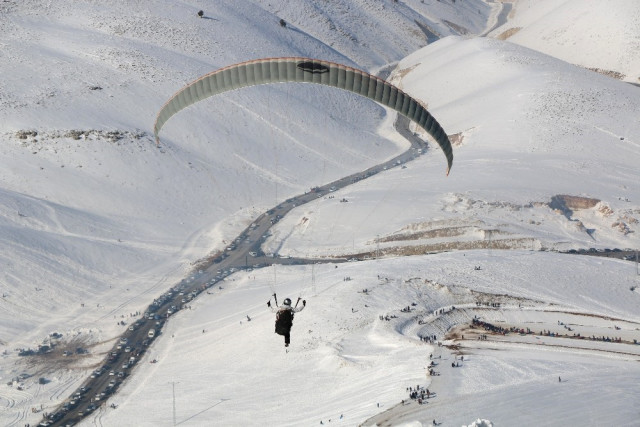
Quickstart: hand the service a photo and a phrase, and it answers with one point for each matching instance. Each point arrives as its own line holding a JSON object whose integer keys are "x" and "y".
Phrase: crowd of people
{"x": 488, "y": 326}
{"x": 428, "y": 338}
{"x": 543, "y": 333}
{"x": 488, "y": 304}
{"x": 443, "y": 310}
{"x": 418, "y": 393}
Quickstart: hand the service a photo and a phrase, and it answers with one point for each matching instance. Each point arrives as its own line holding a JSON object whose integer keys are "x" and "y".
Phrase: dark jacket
{"x": 284, "y": 317}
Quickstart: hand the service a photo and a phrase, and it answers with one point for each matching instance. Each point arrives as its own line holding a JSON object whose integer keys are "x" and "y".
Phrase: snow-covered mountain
{"x": 96, "y": 221}
{"x": 571, "y": 31}
{"x": 83, "y": 83}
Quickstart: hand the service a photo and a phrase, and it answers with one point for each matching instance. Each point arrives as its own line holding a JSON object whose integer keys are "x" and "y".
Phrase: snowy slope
{"x": 81, "y": 89}
{"x": 565, "y": 29}
{"x": 551, "y": 130}
{"x": 96, "y": 221}
{"x": 344, "y": 360}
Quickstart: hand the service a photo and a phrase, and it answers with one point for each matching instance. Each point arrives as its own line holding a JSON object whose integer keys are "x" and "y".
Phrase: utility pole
{"x": 173, "y": 390}
{"x": 275, "y": 277}
{"x": 489, "y": 234}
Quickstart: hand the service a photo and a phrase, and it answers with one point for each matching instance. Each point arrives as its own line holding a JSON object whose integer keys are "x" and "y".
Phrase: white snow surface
{"x": 565, "y": 29}
{"x": 96, "y": 221}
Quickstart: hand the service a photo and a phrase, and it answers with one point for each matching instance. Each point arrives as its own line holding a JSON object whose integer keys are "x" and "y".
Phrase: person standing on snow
{"x": 284, "y": 316}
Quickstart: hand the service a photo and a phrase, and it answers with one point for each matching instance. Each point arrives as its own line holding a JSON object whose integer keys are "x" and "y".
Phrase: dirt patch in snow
{"x": 512, "y": 243}
{"x": 399, "y": 74}
{"x": 567, "y": 205}
{"x": 510, "y": 32}
{"x": 609, "y": 73}
{"x": 429, "y": 234}
{"x": 456, "y": 139}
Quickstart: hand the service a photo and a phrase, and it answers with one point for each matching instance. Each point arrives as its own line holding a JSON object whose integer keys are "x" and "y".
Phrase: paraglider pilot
{"x": 284, "y": 316}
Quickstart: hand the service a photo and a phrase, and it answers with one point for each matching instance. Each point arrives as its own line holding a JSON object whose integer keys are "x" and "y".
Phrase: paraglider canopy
{"x": 305, "y": 70}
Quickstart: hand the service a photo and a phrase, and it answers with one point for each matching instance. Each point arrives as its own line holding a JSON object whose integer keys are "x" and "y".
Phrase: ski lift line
{"x": 317, "y": 201}
{"x": 381, "y": 201}
{"x": 304, "y": 70}
{"x": 274, "y": 145}
{"x": 306, "y": 283}
{"x": 333, "y": 224}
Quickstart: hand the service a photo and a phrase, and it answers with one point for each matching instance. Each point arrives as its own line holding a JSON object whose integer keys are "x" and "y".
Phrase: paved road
{"x": 502, "y": 18}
